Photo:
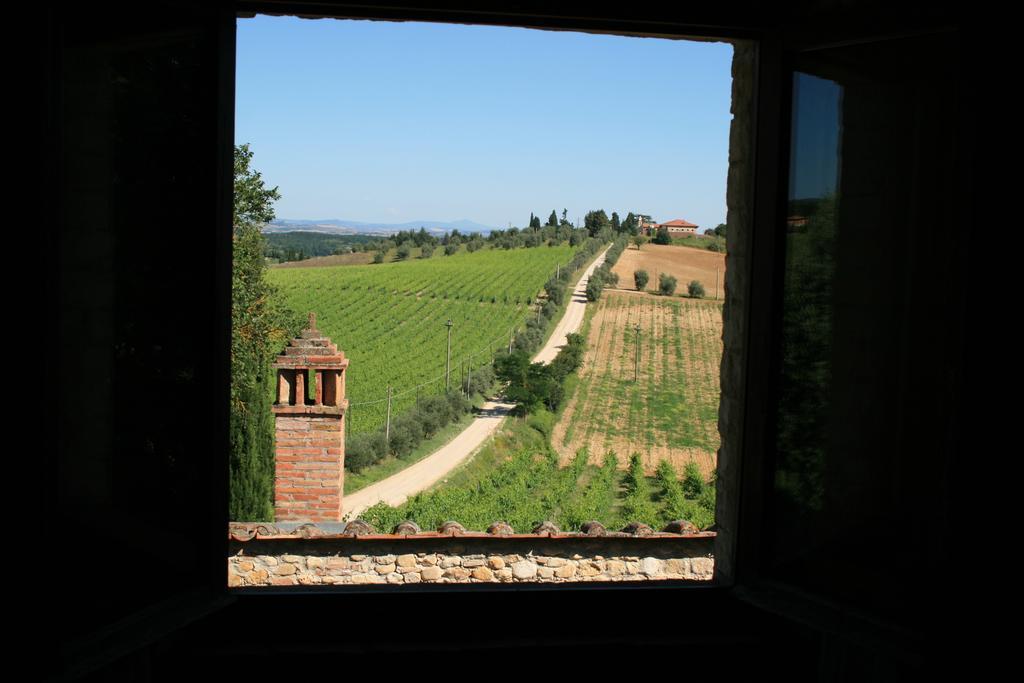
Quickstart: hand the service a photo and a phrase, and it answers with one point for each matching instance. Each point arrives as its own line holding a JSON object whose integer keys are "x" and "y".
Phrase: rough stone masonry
{"x": 290, "y": 559}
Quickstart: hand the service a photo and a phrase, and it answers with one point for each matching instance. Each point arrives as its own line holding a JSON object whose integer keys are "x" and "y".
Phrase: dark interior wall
{"x": 138, "y": 299}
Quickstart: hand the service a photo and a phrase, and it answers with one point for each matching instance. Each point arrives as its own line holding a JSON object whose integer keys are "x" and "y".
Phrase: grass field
{"x": 671, "y": 412}
{"x": 389, "y": 319}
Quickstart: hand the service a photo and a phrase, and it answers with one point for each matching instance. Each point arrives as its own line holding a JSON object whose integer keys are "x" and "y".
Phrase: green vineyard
{"x": 389, "y": 319}
{"x": 530, "y": 487}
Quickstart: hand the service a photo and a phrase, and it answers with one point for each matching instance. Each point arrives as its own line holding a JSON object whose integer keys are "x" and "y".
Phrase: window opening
{"x": 421, "y": 333}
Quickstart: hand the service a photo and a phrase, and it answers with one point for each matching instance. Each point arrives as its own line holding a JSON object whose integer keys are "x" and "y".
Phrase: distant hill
{"x": 339, "y": 226}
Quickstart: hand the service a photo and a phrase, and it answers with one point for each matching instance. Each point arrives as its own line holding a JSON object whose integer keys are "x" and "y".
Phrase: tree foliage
{"x": 259, "y": 328}
{"x": 695, "y": 289}
{"x": 596, "y": 221}
{"x": 667, "y": 284}
{"x": 640, "y": 279}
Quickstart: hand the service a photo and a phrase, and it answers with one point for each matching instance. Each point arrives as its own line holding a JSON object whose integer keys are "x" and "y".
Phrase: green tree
{"x": 596, "y": 221}
{"x": 260, "y": 327}
{"x": 630, "y": 225}
{"x": 666, "y": 284}
{"x": 616, "y": 225}
{"x": 695, "y": 289}
{"x": 553, "y": 219}
{"x": 640, "y": 278}
{"x": 662, "y": 236}
{"x": 639, "y": 241}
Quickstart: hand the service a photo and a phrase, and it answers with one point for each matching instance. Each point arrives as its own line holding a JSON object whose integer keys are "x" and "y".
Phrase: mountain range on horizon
{"x": 344, "y": 226}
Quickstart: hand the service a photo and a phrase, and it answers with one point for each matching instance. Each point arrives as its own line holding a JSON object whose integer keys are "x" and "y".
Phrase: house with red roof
{"x": 676, "y": 228}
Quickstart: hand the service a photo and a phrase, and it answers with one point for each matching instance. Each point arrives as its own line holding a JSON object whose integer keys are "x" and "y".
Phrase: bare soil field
{"x": 685, "y": 263}
{"x": 671, "y": 411}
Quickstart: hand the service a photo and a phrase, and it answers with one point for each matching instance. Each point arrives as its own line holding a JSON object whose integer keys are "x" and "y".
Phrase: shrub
{"x": 662, "y": 236}
{"x": 693, "y": 483}
{"x": 378, "y": 257}
{"x": 593, "y": 289}
{"x": 640, "y": 278}
{"x": 696, "y": 289}
{"x": 667, "y": 284}
{"x": 451, "y": 249}
{"x": 403, "y": 252}
{"x": 426, "y": 251}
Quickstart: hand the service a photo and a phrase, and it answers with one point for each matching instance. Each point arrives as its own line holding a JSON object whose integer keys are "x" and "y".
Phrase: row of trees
{"x": 604, "y": 276}
{"x": 532, "y": 385}
{"x": 667, "y": 284}
{"x": 408, "y": 430}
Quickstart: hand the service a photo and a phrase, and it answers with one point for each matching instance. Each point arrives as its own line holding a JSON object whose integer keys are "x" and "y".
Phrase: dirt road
{"x": 422, "y": 475}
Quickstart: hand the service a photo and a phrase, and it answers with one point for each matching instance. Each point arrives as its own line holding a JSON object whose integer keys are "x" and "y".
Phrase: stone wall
{"x": 444, "y": 560}
{"x": 735, "y": 312}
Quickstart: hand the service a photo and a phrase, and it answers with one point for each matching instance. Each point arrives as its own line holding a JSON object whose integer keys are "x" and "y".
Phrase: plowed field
{"x": 685, "y": 263}
{"x": 671, "y": 411}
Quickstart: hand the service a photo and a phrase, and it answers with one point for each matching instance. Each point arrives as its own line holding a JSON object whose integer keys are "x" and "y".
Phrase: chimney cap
{"x": 311, "y": 349}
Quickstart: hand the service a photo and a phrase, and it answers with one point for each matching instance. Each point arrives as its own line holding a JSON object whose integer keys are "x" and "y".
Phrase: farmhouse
{"x": 676, "y": 228}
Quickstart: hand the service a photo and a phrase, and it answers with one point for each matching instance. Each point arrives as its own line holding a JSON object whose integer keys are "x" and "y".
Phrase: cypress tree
{"x": 259, "y": 329}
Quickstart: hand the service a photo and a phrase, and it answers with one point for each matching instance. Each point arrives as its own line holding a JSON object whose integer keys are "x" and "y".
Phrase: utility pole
{"x": 387, "y": 428}
{"x": 511, "y": 337}
{"x": 716, "y": 284}
{"x": 469, "y": 380}
{"x": 636, "y": 366}
{"x": 448, "y": 361}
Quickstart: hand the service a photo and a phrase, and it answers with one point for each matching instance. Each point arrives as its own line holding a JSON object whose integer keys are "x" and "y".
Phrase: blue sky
{"x": 393, "y": 122}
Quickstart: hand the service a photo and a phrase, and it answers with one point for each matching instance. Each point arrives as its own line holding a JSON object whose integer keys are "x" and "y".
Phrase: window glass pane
{"x": 866, "y": 361}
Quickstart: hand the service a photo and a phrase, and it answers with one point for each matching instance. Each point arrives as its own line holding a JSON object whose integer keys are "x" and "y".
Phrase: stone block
{"x": 650, "y": 566}
{"x": 524, "y": 569}
{"x": 483, "y": 574}
{"x": 703, "y": 567}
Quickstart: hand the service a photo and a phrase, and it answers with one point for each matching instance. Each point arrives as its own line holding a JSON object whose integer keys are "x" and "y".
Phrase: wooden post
{"x": 387, "y": 428}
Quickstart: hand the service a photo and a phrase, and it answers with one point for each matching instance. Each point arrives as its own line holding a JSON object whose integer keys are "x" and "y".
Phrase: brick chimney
{"x": 310, "y": 463}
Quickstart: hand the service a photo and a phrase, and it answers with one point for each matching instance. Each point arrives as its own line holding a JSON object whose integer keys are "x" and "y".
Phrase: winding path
{"x": 422, "y": 475}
